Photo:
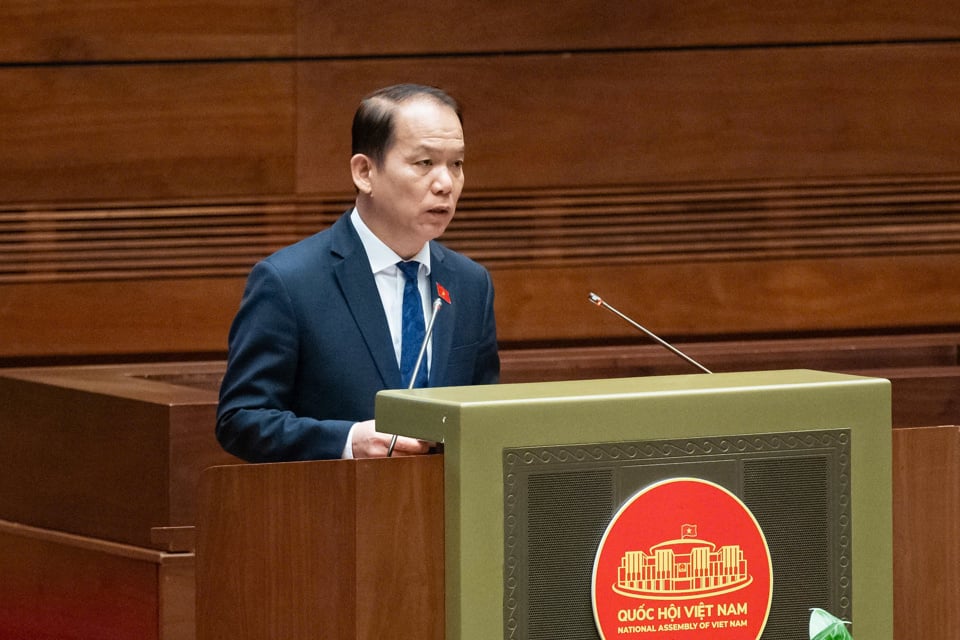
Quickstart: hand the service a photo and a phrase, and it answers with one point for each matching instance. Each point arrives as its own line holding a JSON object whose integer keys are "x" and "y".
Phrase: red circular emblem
{"x": 683, "y": 558}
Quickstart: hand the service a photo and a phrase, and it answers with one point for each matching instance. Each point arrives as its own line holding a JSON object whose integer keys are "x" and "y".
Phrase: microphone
{"x": 597, "y": 300}
{"x": 416, "y": 367}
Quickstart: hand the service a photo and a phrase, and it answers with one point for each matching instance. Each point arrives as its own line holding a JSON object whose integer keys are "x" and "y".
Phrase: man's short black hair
{"x": 373, "y": 124}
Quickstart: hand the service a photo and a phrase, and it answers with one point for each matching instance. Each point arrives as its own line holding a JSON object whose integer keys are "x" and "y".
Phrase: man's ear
{"x": 361, "y": 168}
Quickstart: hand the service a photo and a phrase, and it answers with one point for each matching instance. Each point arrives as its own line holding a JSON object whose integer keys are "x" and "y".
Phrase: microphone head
{"x": 595, "y": 299}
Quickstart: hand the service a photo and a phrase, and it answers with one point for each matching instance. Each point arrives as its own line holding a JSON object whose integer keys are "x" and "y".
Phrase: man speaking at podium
{"x": 326, "y": 323}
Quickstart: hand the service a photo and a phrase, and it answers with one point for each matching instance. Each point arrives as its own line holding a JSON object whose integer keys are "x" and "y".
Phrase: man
{"x": 319, "y": 329}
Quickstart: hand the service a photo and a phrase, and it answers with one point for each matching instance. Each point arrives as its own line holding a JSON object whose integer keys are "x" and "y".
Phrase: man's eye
{"x": 425, "y": 163}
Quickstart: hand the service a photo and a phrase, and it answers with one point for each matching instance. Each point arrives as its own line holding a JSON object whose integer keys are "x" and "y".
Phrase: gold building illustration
{"x": 682, "y": 568}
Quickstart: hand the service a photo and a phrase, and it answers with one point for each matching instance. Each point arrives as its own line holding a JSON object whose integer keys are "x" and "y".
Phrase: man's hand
{"x": 370, "y": 443}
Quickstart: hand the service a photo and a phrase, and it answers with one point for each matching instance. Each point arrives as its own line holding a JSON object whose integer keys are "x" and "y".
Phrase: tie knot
{"x": 410, "y": 269}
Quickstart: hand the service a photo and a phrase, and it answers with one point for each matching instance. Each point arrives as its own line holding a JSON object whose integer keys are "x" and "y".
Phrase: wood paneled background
{"x": 715, "y": 170}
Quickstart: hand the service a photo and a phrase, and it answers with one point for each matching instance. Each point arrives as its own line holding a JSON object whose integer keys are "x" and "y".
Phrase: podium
{"x": 531, "y": 478}
{"x": 334, "y": 549}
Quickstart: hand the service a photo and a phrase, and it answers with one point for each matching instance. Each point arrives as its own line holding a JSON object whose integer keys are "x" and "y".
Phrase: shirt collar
{"x": 381, "y": 256}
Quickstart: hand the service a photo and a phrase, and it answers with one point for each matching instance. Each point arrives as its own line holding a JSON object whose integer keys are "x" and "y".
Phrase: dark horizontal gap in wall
{"x": 480, "y": 54}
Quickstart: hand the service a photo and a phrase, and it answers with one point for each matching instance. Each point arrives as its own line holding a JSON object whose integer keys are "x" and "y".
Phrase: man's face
{"x": 414, "y": 194}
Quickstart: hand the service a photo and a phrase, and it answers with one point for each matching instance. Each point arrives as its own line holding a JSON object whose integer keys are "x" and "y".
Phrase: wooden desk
{"x": 926, "y": 527}
{"x": 57, "y": 585}
{"x": 109, "y": 452}
{"x": 98, "y": 491}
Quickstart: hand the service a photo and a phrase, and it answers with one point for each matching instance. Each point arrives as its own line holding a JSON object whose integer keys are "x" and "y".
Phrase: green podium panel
{"x": 534, "y": 474}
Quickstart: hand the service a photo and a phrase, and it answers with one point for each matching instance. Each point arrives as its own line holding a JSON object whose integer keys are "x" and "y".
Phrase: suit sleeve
{"x": 487, "y": 369}
{"x": 256, "y": 420}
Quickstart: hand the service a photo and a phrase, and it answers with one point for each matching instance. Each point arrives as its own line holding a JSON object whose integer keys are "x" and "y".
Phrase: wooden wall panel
{"x": 59, "y": 31}
{"x": 896, "y": 270}
{"x": 145, "y": 132}
{"x": 127, "y": 317}
{"x": 747, "y": 168}
{"x": 740, "y": 258}
{"x": 339, "y": 28}
{"x": 564, "y": 120}
{"x": 97, "y": 30}
{"x": 732, "y": 298}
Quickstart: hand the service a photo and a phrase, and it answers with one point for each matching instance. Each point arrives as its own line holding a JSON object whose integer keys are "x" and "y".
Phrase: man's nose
{"x": 442, "y": 180}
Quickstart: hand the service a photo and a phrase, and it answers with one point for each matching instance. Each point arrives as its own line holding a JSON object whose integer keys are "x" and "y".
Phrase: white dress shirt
{"x": 390, "y": 282}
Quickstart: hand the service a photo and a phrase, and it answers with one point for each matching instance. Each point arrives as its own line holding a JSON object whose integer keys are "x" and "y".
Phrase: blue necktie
{"x": 413, "y": 328}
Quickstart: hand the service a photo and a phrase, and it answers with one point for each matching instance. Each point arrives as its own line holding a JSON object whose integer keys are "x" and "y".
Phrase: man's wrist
{"x": 347, "y": 453}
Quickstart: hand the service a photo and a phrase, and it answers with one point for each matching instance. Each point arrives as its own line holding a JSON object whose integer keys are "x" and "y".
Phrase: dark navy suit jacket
{"x": 310, "y": 347}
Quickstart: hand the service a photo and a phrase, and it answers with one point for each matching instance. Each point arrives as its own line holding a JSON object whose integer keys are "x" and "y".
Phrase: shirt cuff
{"x": 347, "y": 453}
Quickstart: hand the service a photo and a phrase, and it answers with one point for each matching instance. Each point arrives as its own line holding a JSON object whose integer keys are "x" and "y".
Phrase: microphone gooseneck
{"x": 416, "y": 367}
{"x": 597, "y": 300}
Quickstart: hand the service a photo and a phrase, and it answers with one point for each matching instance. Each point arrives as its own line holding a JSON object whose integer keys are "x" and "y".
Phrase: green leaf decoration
{"x": 824, "y": 626}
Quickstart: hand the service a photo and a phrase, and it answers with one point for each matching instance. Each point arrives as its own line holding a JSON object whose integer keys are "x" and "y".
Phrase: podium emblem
{"x": 683, "y": 556}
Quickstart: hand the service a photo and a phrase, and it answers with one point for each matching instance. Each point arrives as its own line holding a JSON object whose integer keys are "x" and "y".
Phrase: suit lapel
{"x": 360, "y": 292}
{"x": 443, "y": 327}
